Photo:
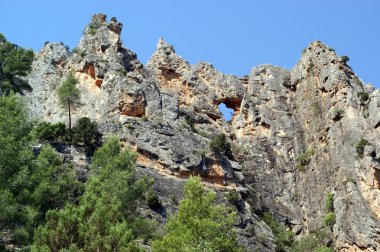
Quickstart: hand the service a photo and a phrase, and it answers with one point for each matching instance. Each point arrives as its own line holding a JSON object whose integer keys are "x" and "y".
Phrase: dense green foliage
{"x": 47, "y": 132}
{"x": 106, "y": 218}
{"x": 15, "y": 63}
{"x": 30, "y": 185}
{"x": 85, "y": 132}
{"x": 55, "y": 184}
{"x": 200, "y": 224}
{"x": 69, "y": 95}
{"x": 15, "y": 168}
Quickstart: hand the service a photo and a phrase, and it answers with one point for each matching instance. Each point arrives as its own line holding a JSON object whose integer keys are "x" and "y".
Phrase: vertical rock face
{"x": 293, "y": 133}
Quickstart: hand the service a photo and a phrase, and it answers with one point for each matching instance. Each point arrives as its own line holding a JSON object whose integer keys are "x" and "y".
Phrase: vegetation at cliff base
{"x": 43, "y": 201}
{"x": 200, "y": 224}
{"x": 30, "y": 184}
{"x": 106, "y": 218}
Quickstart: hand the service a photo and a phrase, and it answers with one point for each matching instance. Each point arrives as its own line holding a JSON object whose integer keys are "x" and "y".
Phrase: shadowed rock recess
{"x": 293, "y": 134}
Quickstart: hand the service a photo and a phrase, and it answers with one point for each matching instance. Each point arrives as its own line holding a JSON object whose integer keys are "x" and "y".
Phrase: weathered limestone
{"x": 168, "y": 111}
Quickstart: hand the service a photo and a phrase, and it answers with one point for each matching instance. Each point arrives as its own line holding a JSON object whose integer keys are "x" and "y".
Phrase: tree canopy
{"x": 15, "y": 63}
{"x": 200, "y": 224}
{"x": 29, "y": 185}
{"x": 106, "y": 218}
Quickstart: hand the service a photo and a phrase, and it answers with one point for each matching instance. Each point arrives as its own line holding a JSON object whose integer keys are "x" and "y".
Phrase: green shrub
{"x": 233, "y": 197}
{"x": 330, "y": 219}
{"x": 338, "y": 114}
{"x": 152, "y": 199}
{"x": 200, "y": 223}
{"x": 93, "y": 28}
{"x": 283, "y": 238}
{"x": 123, "y": 73}
{"x": 21, "y": 236}
{"x": 57, "y": 132}
{"x": 219, "y": 144}
{"x": 364, "y": 97}
{"x": 85, "y": 132}
{"x": 360, "y": 147}
{"x": 345, "y": 59}
{"x": 329, "y": 203}
{"x": 303, "y": 158}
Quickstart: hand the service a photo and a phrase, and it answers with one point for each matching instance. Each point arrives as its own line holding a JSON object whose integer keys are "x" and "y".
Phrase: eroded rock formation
{"x": 168, "y": 110}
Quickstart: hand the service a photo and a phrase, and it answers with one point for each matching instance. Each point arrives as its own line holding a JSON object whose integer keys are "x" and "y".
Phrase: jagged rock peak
{"x": 165, "y": 58}
{"x": 164, "y": 46}
{"x": 100, "y": 20}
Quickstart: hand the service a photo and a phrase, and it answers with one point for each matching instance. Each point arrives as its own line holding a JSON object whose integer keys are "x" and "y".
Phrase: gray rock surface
{"x": 290, "y": 149}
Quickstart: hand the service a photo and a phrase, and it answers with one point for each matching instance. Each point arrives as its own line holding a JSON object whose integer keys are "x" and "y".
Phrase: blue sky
{"x": 233, "y": 35}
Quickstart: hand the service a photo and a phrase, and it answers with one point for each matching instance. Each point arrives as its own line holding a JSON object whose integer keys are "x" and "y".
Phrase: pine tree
{"x": 200, "y": 224}
{"x": 69, "y": 95}
{"x": 106, "y": 218}
{"x": 15, "y": 63}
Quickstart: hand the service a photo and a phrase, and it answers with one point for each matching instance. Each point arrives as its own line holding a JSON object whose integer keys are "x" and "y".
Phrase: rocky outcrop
{"x": 293, "y": 133}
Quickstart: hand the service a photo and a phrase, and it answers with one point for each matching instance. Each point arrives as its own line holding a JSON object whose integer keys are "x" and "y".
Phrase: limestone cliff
{"x": 293, "y": 132}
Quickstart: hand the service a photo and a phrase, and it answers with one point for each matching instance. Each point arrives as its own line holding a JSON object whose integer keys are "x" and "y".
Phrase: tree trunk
{"x": 70, "y": 132}
{"x": 69, "y": 117}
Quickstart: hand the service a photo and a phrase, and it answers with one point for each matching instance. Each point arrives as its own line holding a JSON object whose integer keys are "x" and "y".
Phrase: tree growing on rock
{"x": 69, "y": 95}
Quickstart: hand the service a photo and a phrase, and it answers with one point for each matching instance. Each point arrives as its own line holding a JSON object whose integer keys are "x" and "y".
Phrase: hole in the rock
{"x": 228, "y": 113}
